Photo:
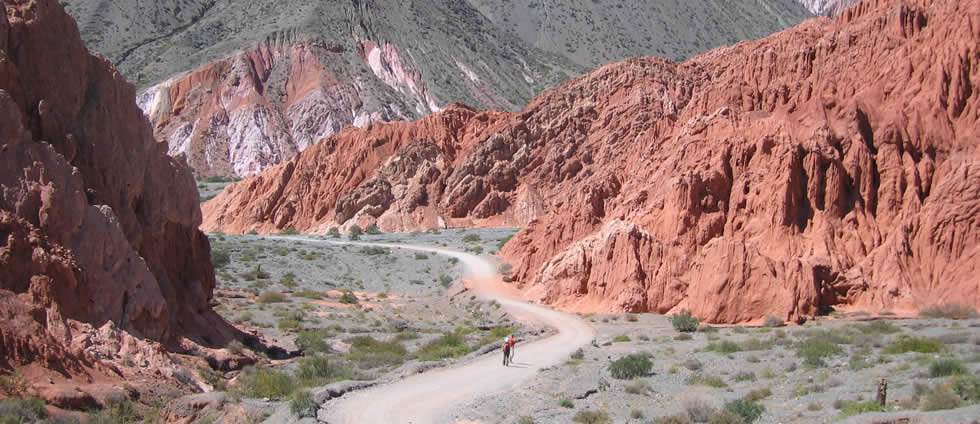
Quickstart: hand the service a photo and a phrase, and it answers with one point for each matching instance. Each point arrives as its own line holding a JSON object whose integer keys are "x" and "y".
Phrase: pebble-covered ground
{"x": 827, "y": 370}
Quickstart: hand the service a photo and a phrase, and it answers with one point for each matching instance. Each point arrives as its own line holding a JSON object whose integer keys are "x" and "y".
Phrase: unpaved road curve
{"x": 432, "y": 397}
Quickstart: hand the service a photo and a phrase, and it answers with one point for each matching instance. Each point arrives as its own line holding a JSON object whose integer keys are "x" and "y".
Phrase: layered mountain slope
{"x": 99, "y": 245}
{"x": 835, "y": 163}
{"x": 268, "y": 77}
{"x": 594, "y": 33}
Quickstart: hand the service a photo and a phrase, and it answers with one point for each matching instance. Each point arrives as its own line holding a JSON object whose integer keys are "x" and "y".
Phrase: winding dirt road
{"x": 432, "y": 397}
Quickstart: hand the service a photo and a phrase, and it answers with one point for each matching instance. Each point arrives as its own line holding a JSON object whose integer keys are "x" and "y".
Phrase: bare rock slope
{"x": 98, "y": 225}
{"x": 834, "y": 163}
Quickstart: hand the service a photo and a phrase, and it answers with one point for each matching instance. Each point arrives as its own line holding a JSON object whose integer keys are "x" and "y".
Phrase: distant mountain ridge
{"x": 238, "y": 86}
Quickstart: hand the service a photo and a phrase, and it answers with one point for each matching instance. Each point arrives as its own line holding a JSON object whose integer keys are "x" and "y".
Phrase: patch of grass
{"x": 683, "y": 337}
{"x": 450, "y": 345}
{"x": 878, "y": 326}
{"x": 369, "y": 353}
{"x": 525, "y": 420}
{"x": 967, "y": 386}
{"x": 949, "y": 311}
{"x": 421, "y": 256}
{"x": 758, "y": 394}
{"x": 947, "y": 367}
{"x": 471, "y": 238}
{"x": 725, "y": 346}
{"x": 313, "y": 341}
{"x": 630, "y": 367}
{"x": 803, "y": 389}
{"x": 265, "y": 383}
{"x": 745, "y": 376}
{"x": 309, "y": 294}
{"x": 271, "y": 297}
{"x": 317, "y": 370}
{"x": 851, "y": 408}
{"x": 302, "y": 404}
{"x": 566, "y": 403}
{"x": 706, "y": 380}
{"x": 21, "y": 410}
{"x": 684, "y": 322}
{"x": 592, "y": 417}
{"x": 622, "y": 338}
{"x": 914, "y": 344}
{"x": 816, "y": 346}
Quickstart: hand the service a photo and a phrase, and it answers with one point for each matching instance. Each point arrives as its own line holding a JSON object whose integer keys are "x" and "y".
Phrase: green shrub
{"x": 949, "y": 310}
{"x": 592, "y": 417}
{"x": 684, "y": 322}
{"x": 372, "y": 229}
{"x": 445, "y": 281}
{"x": 355, "y": 230}
{"x": 448, "y": 346}
{"x": 914, "y": 344}
{"x": 348, "y": 298}
{"x": 622, "y": 338}
{"x": 313, "y": 341}
{"x": 967, "y": 386}
{"x": 333, "y": 232}
{"x": 525, "y": 420}
{"x": 302, "y": 404}
{"x": 772, "y": 321}
{"x": 220, "y": 258}
{"x": 566, "y": 403}
{"x": 947, "y": 367}
{"x": 370, "y": 353}
{"x": 578, "y": 354}
{"x": 271, "y": 297}
{"x": 374, "y": 251}
{"x": 265, "y": 383}
{"x": 630, "y": 367}
{"x": 745, "y": 376}
{"x": 471, "y": 238}
{"x": 421, "y": 256}
{"x": 289, "y": 231}
{"x": 21, "y": 410}
{"x": 940, "y": 397}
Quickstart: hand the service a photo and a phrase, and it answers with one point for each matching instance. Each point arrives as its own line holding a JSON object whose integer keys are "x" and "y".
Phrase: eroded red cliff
{"x": 834, "y": 163}
{"x": 98, "y": 226}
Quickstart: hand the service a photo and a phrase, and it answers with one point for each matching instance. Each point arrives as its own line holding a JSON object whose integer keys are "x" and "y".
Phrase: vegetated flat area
{"x": 369, "y": 312}
{"x": 210, "y": 187}
{"x": 827, "y": 370}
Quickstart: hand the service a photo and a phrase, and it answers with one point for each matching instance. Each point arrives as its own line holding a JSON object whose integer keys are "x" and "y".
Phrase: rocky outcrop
{"x": 830, "y": 165}
{"x": 98, "y": 225}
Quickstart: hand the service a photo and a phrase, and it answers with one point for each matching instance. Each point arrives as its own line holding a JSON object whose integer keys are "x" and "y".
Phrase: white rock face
{"x": 827, "y": 7}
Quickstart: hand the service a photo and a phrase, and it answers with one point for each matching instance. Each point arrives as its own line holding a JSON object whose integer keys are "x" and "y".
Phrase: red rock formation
{"x": 834, "y": 163}
{"x": 98, "y": 226}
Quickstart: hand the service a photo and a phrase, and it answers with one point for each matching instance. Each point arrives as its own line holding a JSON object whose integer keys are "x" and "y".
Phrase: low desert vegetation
{"x": 948, "y": 311}
{"x": 592, "y": 417}
{"x": 914, "y": 344}
{"x": 684, "y": 322}
{"x": 631, "y": 366}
